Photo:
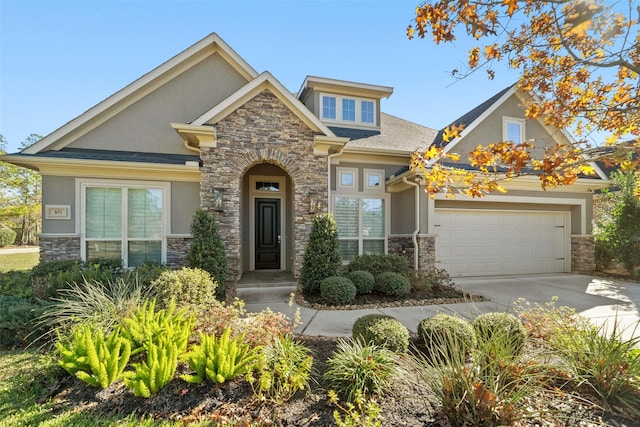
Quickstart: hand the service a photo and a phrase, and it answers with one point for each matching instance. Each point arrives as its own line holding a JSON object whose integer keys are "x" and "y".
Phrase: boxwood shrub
{"x": 377, "y": 264}
{"x": 447, "y": 338}
{"x": 337, "y": 290}
{"x": 381, "y": 330}
{"x": 188, "y": 286}
{"x": 363, "y": 280}
{"x": 7, "y": 236}
{"x": 393, "y": 284}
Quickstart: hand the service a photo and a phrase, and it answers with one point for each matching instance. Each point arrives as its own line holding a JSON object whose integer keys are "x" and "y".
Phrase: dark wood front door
{"x": 268, "y": 237}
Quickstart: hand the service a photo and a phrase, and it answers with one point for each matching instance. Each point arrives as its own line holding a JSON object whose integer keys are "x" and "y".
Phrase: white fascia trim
{"x": 528, "y": 199}
{"x": 59, "y": 235}
{"x": 141, "y": 87}
{"x": 479, "y": 120}
{"x": 367, "y": 150}
{"x": 251, "y": 89}
{"x": 323, "y": 82}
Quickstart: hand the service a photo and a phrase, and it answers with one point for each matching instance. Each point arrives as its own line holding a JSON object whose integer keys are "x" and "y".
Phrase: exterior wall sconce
{"x": 315, "y": 203}
{"x": 218, "y": 194}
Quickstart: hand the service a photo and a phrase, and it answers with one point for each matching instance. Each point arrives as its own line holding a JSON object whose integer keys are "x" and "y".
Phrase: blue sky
{"x": 60, "y": 58}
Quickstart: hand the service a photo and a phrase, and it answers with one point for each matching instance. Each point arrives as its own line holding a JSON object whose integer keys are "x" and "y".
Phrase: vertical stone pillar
{"x": 583, "y": 258}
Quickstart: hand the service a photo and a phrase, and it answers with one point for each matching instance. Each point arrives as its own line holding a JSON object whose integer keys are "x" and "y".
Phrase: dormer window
{"x": 348, "y": 110}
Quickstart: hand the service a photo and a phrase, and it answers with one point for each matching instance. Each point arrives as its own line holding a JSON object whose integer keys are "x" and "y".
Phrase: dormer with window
{"x": 344, "y": 104}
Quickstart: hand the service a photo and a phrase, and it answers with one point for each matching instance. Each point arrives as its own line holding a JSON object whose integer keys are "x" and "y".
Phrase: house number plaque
{"x": 57, "y": 212}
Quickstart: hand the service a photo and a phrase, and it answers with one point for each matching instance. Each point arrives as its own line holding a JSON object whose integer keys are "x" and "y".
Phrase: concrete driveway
{"x": 601, "y": 299}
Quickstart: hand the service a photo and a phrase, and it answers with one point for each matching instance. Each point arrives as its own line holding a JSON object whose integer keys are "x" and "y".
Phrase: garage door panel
{"x": 476, "y": 243}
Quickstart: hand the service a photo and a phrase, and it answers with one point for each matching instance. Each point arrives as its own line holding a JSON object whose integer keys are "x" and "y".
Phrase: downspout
{"x": 414, "y": 236}
{"x": 329, "y": 158}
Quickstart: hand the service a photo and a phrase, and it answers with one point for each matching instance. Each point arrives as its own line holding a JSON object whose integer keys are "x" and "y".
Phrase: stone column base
{"x": 59, "y": 248}
{"x": 583, "y": 258}
{"x": 177, "y": 250}
{"x": 403, "y": 245}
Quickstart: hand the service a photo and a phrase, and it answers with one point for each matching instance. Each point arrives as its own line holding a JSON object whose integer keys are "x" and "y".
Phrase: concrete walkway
{"x": 600, "y": 299}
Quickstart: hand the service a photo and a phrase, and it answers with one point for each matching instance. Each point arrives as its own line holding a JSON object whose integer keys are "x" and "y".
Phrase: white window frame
{"x": 506, "y": 121}
{"x": 358, "y": 105}
{"x": 346, "y": 188}
{"x": 387, "y": 219}
{"x": 82, "y": 184}
{"x": 373, "y": 189}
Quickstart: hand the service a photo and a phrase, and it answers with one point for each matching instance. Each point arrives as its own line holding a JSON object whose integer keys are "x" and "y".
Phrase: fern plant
{"x": 94, "y": 359}
{"x": 219, "y": 359}
{"x": 148, "y": 325}
{"x": 157, "y": 371}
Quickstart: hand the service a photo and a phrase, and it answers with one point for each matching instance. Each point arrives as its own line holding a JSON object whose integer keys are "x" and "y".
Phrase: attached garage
{"x": 487, "y": 243}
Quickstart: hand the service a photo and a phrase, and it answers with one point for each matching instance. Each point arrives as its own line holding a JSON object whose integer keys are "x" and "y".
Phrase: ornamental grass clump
{"x": 356, "y": 368}
{"x": 282, "y": 368}
{"x": 487, "y": 325}
{"x": 605, "y": 363}
{"x": 337, "y": 290}
{"x": 381, "y": 330}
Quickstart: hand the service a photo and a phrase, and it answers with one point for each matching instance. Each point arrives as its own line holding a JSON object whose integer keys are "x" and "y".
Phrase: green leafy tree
{"x": 207, "y": 250}
{"x": 20, "y": 196}
{"x": 321, "y": 256}
{"x": 621, "y": 230}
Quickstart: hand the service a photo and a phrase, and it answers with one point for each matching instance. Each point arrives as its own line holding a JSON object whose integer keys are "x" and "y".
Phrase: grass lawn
{"x": 19, "y": 261}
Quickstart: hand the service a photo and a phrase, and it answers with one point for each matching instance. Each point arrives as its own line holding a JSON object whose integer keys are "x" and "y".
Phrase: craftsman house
{"x": 205, "y": 129}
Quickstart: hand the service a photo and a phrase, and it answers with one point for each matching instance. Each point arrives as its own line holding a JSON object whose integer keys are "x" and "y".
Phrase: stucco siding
{"x": 185, "y": 199}
{"x": 145, "y": 125}
{"x": 403, "y": 212}
{"x": 59, "y": 190}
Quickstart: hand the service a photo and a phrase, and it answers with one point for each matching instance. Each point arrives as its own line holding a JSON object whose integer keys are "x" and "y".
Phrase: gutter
{"x": 414, "y": 236}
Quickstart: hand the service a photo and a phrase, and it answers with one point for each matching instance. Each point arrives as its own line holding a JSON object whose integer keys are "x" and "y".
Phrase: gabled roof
{"x": 264, "y": 81}
{"x": 396, "y": 135}
{"x": 474, "y": 117}
{"x": 117, "y": 102}
{"x": 343, "y": 87}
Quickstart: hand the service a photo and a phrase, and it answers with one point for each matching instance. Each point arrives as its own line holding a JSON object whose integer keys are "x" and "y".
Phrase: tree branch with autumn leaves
{"x": 579, "y": 60}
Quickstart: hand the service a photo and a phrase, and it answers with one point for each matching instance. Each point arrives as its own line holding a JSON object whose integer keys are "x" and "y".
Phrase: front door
{"x": 268, "y": 237}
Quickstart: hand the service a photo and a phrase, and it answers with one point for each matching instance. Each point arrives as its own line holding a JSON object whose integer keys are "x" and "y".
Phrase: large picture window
{"x": 125, "y": 222}
{"x": 361, "y": 225}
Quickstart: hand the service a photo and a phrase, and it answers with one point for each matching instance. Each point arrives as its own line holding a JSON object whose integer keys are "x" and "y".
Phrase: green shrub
{"x": 447, "y": 337}
{"x": 509, "y": 326}
{"x": 94, "y": 359}
{"x": 7, "y": 237}
{"x": 146, "y": 273}
{"x": 365, "y": 369}
{"x": 337, "y": 290}
{"x": 363, "y": 280}
{"x": 321, "y": 256}
{"x": 17, "y": 320}
{"x": 377, "y": 264}
{"x": 381, "y": 330}
{"x": 393, "y": 284}
{"x": 16, "y": 283}
{"x": 49, "y": 278}
{"x": 219, "y": 359}
{"x": 282, "y": 369}
{"x": 207, "y": 250}
{"x": 190, "y": 287}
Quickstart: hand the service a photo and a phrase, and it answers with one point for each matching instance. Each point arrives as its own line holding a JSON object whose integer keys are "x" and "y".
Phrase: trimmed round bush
{"x": 501, "y": 326}
{"x": 363, "y": 280}
{"x": 377, "y": 264}
{"x": 188, "y": 286}
{"x": 337, "y": 290}
{"x": 393, "y": 284}
{"x": 7, "y": 236}
{"x": 381, "y": 330}
{"x": 447, "y": 338}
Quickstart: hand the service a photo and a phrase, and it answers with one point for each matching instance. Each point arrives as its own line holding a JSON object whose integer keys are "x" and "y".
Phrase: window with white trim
{"x": 513, "y": 129}
{"x": 373, "y": 181}
{"x": 123, "y": 221}
{"x": 362, "y": 224}
{"x": 348, "y": 110}
{"x": 347, "y": 179}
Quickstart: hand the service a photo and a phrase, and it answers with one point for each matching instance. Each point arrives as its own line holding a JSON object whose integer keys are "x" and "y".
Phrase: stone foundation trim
{"x": 59, "y": 247}
{"x": 177, "y": 250}
{"x": 583, "y": 250}
{"x": 402, "y": 244}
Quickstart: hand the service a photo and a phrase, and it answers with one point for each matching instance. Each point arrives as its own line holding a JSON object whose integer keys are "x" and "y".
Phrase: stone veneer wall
{"x": 177, "y": 250}
{"x": 59, "y": 248}
{"x": 583, "y": 259}
{"x": 263, "y": 130}
{"x": 403, "y": 245}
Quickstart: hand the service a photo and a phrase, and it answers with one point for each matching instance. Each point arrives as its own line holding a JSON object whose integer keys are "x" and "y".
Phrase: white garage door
{"x": 488, "y": 243}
